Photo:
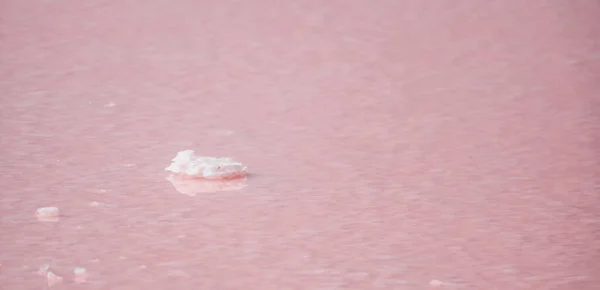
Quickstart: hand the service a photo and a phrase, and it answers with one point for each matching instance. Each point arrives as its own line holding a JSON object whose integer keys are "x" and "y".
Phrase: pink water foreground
{"x": 391, "y": 143}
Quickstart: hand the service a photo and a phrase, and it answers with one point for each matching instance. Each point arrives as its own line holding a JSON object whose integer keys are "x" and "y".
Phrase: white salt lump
{"x": 188, "y": 163}
{"x": 47, "y": 214}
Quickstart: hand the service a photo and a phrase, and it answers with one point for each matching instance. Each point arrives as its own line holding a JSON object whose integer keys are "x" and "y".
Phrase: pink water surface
{"x": 391, "y": 143}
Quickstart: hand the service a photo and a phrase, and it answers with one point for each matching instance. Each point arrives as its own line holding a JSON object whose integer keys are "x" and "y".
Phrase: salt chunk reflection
{"x": 193, "y": 186}
{"x": 81, "y": 275}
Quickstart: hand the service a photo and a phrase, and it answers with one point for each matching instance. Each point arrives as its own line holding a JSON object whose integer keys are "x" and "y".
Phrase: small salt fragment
{"x": 43, "y": 271}
{"x": 436, "y": 283}
{"x": 53, "y": 279}
{"x": 79, "y": 271}
{"x": 81, "y": 275}
{"x": 47, "y": 214}
{"x": 188, "y": 163}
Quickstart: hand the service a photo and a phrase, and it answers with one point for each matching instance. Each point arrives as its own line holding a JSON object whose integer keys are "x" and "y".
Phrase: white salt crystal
{"x": 188, "y": 163}
{"x": 47, "y": 214}
{"x": 47, "y": 211}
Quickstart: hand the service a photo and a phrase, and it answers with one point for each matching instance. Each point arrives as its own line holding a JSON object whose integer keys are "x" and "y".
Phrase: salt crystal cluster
{"x": 189, "y": 164}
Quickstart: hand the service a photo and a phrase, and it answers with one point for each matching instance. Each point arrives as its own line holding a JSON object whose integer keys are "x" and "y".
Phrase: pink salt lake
{"x": 392, "y": 144}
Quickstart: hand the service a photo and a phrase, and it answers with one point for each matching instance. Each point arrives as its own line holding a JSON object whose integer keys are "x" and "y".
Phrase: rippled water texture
{"x": 390, "y": 144}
